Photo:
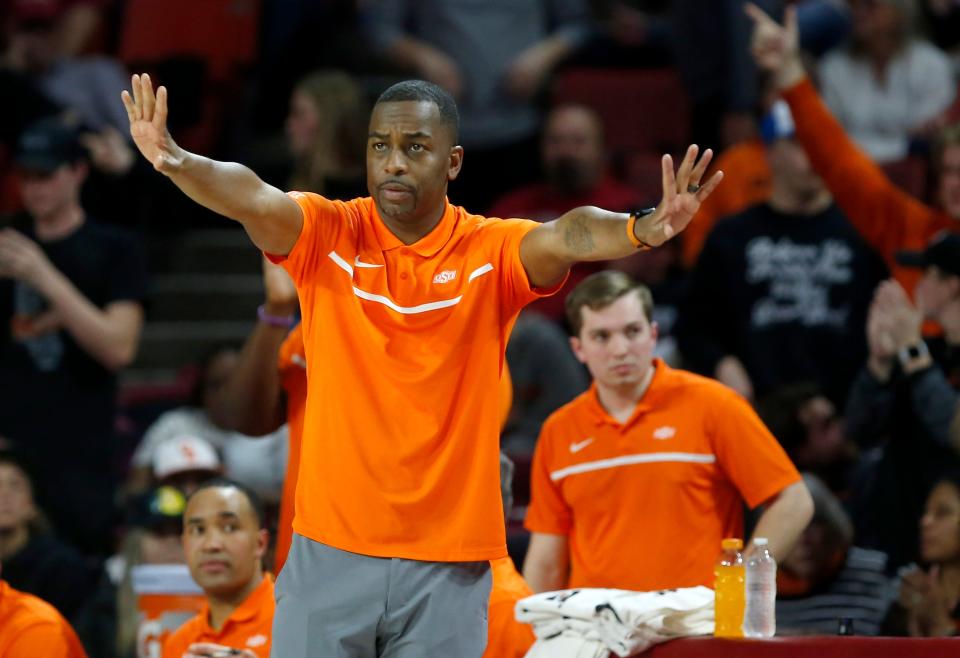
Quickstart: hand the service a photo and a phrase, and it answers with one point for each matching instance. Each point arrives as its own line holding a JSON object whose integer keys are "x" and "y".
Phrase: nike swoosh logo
{"x": 356, "y": 261}
{"x": 580, "y": 445}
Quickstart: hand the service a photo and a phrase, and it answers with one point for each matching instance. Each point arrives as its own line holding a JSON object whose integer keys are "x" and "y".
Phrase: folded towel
{"x": 624, "y": 622}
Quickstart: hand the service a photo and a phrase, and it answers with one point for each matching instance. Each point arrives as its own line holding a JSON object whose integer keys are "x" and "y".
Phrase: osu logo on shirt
{"x": 445, "y": 277}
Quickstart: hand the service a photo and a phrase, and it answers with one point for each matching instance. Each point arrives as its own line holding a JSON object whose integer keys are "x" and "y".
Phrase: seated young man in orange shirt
{"x": 224, "y": 539}
{"x": 407, "y": 305}
{"x": 635, "y": 483}
{"x": 31, "y": 627}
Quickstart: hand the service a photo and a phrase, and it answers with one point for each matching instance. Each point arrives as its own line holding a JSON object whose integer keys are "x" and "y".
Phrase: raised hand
{"x": 280, "y": 291}
{"x": 148, "y": 124}
{"x": 21, "y": 258}
{"x": 905, "y": 320}
{"x": 775, "y": 47}
{"x": 682, "y": 196}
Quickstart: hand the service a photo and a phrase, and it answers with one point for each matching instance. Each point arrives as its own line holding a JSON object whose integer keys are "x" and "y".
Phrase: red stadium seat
{"x": 643, "y": 110}
{"x": 221, "y": 32}
{"x": 201, "y": 50}
{"x": 644, "y": 173}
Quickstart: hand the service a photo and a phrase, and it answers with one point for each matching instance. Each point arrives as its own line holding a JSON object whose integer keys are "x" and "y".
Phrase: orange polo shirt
{"x": 249, "y": 627}
{"x": 292, "y": 363}
{"x": 645, "y": 503}
{"x": 31, "y": 627}
{"x": 507, "y": 637}
{"x": 404, "y": 346}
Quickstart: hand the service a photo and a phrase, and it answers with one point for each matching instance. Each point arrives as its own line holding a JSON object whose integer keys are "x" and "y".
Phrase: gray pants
{"x": 335, "y": 604}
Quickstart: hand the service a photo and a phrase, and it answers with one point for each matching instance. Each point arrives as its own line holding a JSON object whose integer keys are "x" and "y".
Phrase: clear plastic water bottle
{"x": 759, "y": 619}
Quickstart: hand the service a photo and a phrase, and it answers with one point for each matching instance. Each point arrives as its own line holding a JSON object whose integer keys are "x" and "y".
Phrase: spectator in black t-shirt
{"x": 780, "y": 292}
{"x": 71, "y": 313}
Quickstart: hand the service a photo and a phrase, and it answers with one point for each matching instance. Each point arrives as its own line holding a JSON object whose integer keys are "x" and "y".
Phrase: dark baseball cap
{"x": 160, "y": 509}
{"x": 942, "y": 251}
{"x": 48, "y": 144}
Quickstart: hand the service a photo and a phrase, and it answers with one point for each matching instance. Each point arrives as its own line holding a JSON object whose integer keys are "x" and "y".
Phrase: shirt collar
{"x": 426, "y": 246}
{"x": 646, "y": 403}
{"x": 250, "y": 608}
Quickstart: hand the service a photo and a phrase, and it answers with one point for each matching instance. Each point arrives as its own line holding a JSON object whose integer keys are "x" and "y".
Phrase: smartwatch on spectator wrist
{"x": 912, "y": 353}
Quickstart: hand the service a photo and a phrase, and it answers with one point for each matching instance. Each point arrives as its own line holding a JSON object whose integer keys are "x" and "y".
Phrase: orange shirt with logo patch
{"x": 507, "y": 637}
{"x": 249, "y": 627}
{"x": 292, "y": 363}
{"x": 645, "y": 503}
{"x": 30, "y": 628}
{"x": 404, "y": 346}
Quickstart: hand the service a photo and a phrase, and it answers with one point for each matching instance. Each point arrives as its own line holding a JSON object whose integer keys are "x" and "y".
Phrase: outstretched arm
{"x": 590, "y": 234}
{"x": 271, "y": 218}
{"x": 251, "y": 402}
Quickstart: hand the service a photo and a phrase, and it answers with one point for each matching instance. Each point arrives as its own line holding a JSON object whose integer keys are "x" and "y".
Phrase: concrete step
{"x": 205, "y": 297}
{"x": 172, "y": 345}
{"x": 214, "y": 251}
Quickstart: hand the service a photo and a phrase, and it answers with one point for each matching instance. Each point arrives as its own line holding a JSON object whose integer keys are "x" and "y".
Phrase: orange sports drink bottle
{"x": 728, "y": 587}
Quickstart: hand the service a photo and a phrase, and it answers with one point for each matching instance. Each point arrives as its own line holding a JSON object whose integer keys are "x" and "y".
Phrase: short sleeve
{"x": 747, "y": 452}
{"x": 47, "y": 639}
{"x": 323, "y": 220}
{"x": 548, "y": 512}
{"x": 517, "y": 290}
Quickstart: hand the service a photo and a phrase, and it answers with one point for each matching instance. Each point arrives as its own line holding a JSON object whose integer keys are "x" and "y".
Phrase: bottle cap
{"x": 760, "y": 541}
{"x": 732, "y": 544}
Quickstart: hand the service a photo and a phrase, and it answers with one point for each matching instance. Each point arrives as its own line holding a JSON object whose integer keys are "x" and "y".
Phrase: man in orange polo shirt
{"x": 635, "y": 483}
{"x": 224, "y": 539}
{"x": 31, "y": 627}
{"x": 407, "y": 304}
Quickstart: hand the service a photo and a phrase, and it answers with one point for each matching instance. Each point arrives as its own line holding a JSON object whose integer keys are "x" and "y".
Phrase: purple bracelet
{"x": 285, "y": 321}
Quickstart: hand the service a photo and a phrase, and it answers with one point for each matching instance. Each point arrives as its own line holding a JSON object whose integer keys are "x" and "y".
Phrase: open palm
{"x": 682, "y": 196}
{"x": 148, "y": 124}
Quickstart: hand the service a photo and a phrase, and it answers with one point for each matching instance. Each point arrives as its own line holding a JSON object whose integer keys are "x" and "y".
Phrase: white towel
{"x": 627, "y": 623}
{"x": 568, "y": 646}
